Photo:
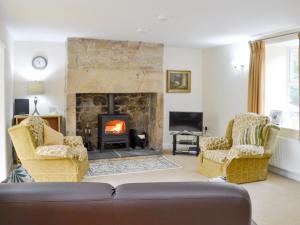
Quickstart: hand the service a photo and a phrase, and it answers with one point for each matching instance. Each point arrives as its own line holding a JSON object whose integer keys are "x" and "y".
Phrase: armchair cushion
{"x": 219, "y": 156}
{"x": 52, "y": 137}
{"x": 251, "y": 136}
{"x": 245, "y": 151}
{"x": 61, "y": 151}
{"x": 213, "y": 143}
{"x": 237, "y": 151}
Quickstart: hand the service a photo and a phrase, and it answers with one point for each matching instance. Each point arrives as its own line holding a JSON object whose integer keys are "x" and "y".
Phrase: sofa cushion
{"x": 245, "y": 120}
{"x": 216, "y": 155}
{"x": 52, "y": 137}
{"x": 251, "y": 136}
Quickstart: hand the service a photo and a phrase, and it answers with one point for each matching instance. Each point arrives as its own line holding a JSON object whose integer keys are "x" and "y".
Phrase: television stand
{"x": 194, "y": 148}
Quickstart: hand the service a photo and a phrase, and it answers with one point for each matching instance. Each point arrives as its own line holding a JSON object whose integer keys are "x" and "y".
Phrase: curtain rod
{"x": 276, "y": 36}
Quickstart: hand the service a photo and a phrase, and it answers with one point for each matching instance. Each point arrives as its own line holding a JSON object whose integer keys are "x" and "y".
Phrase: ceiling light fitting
{"x": 162, "y": 18}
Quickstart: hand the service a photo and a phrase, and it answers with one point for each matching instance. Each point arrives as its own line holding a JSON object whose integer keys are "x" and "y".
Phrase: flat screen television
{"x": 186, "y": 121}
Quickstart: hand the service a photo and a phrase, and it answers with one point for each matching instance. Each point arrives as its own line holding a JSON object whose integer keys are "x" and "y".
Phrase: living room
{"x": 195, "y": 95}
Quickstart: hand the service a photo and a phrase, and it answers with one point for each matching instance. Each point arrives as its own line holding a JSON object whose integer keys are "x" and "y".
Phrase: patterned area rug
{"x": 18, "y": 175}
{"x": 107, "y": 167}
{"x": 121, "y": 153}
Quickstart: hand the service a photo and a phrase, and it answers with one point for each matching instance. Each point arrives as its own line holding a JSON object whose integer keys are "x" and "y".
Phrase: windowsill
{"x": 289, "y": 133}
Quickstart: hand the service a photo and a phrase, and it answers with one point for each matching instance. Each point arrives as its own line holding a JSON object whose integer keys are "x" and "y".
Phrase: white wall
{"x": 53, "y": 76}
{"x": 182, "y": 59}
{"x": 6, "y": 87}
{"x": 224, "y": 89}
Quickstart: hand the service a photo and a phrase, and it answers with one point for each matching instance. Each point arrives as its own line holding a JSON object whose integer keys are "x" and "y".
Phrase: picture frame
{"x": 276, "y": 117}
{"x": 178, "y": 81}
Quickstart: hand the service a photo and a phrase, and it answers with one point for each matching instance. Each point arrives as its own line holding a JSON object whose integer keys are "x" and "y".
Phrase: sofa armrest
{"x": 214, "y": 143}
{"x": 73, "y": 141}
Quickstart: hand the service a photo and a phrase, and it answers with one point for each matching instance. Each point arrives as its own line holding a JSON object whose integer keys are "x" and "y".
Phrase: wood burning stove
{"x": 112, "y": 128}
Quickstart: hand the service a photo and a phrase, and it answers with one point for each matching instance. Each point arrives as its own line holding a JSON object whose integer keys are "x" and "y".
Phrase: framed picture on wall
{"x": 178, "y": 81}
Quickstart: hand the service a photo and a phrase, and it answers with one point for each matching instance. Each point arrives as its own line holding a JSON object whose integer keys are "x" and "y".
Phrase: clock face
{"x": 39, "y": 62}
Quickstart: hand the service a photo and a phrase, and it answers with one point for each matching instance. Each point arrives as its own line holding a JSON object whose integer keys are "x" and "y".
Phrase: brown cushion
{"x": 52, "y": 137}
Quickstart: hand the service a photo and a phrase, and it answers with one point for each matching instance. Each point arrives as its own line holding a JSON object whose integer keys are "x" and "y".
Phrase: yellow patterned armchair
{"x": 52, "y": 163}
{"x": 241, "y": 156}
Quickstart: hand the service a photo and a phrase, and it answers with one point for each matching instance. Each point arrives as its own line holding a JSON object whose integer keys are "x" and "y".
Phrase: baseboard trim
{"x": 284, "y": 173}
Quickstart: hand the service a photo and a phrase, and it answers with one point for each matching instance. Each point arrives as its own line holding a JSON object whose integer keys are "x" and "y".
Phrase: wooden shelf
{"x": 53, "y": 120}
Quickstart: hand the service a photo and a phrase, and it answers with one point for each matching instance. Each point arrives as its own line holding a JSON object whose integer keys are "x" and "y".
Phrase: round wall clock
{"x": 39, "y": 62}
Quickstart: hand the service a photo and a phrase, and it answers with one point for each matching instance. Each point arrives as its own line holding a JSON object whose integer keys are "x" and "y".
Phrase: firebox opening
{"x": 115, "y": 127}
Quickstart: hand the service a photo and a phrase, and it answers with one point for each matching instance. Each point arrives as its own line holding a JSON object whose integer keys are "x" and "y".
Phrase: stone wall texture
{"x": 123, "y": 67}
{"x": 104, "y": 66}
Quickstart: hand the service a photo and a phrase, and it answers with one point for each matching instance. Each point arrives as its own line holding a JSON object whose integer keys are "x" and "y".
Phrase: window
{"x": 282, "y": 81}
{"x": 293, "y": 88}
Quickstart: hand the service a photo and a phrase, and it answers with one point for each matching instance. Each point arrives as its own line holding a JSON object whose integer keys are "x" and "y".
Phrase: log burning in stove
{"x": 115, "y": 127}
{"x": 112, "y": 127}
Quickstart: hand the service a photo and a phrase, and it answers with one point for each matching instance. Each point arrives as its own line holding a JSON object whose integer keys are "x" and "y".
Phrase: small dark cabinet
{"x": 194, "y": 148}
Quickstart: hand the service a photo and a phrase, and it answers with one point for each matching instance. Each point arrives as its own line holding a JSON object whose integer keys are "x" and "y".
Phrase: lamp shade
{"x": 35, "y": 87}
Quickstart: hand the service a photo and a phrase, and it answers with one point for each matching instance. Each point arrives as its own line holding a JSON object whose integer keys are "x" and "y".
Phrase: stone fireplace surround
{"x": 131, "y": 70}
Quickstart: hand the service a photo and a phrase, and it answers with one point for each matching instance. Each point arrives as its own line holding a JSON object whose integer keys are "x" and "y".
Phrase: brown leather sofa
{"x": 192, "y": 203}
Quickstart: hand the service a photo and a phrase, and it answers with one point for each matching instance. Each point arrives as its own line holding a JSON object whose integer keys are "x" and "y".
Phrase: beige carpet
{"x": 275, "y": 201}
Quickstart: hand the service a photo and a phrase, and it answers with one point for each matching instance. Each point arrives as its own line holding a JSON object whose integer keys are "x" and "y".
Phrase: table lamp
{"x": 35, "y": 88}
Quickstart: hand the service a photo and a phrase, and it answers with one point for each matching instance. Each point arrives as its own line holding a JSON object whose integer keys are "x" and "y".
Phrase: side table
{"x": 194, "y": 147}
